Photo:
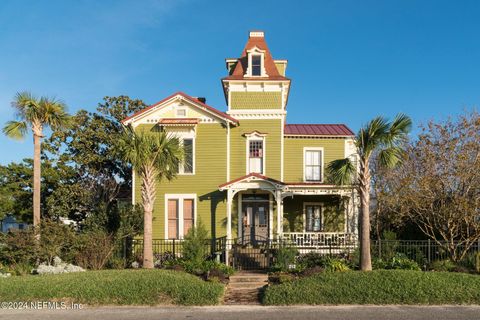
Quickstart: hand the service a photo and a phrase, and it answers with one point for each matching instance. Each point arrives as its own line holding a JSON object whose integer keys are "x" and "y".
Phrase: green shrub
{"x": 94, "y": 249}
{"x": 115, "y": 262}
{"x": 378, "y": 287}
{"x": 21, "y": 269}
{"x": 398, "y": 261}
{"x": 203, "y": 267}
{"x": 336, "y": 265}
{"x": 477, "y": 262}
{"x": 443, "y": 265}
{"x": 312, "y": 259}
{"x": 195, "y": 250}
{"x": 471, "y": 262}
{"x": 56, "y": 240}
{"x": 330, "y": 264}
{"x": 164, "y": 259}
{"x": 284, "y": 258}
{"x": 18, "y": 247}
{"x": 401, "y": 262}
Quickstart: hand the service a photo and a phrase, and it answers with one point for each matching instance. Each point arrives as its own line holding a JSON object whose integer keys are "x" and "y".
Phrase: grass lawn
{"x": 119, "y": 287}
{"x": 378, "y": 287}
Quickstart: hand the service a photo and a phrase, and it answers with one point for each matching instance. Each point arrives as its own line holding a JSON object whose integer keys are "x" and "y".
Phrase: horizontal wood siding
{"x": 333, "y": 149}
{"x": 272, "y": 140}
{"x": 210, "y": 172}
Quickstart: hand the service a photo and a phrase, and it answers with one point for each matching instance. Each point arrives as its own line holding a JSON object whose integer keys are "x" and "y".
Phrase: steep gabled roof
{"x": 193, "y": 100}
{"x": 242, "y": 63}
{"x": 318, "y": 130}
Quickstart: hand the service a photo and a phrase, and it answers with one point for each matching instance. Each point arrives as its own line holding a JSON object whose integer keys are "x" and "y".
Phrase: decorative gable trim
{"x": 255, "y": 134}
{"x": 179, "y": 96}
{"x": 252, "y": 177}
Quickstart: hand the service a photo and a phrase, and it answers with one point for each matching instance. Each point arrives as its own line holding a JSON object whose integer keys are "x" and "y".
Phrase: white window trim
{"x": 255, "y": 137}
{"x": 180, "y": 198}
{"x": 321, "y": 205}
{"x": 261, "y": 53}
{"x": 180, "y": 167}
{"x": 322, "y": 155}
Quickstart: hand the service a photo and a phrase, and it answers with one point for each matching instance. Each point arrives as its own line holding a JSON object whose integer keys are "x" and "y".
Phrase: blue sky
{"x": 349, "y": 60}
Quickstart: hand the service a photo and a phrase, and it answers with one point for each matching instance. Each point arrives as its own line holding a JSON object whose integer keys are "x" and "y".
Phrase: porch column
{"x": 279, "y": 214}
{"x": 229, "y": 225}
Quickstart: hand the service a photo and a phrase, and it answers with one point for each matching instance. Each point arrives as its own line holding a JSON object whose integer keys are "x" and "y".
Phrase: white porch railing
{"x": 320, "y": 239}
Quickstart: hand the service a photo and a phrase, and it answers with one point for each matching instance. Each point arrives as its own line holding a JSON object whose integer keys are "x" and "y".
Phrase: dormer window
{"x": 256, "y": 65}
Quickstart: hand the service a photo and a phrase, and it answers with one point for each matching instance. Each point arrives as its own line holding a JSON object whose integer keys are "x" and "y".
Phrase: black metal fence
{"x": 134, "y": 247}
{"x": 421, "y": 251}
{"x": 259, "y": 254}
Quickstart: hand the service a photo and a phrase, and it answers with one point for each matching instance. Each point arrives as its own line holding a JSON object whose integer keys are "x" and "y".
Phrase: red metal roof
{"x": 318, "y": 130}
{"x": 192, "y": 99}
{"x": 241, "y": 66}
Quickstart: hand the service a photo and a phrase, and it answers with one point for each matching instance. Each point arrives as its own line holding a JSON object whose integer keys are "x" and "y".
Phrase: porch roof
{"x": 249, "y": 177}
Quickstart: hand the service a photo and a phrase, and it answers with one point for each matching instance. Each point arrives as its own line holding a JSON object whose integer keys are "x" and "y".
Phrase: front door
{"x": 255, "y": 222}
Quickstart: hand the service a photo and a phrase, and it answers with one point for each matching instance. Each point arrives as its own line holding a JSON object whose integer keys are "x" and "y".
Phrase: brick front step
{"x": 245, "y": 288}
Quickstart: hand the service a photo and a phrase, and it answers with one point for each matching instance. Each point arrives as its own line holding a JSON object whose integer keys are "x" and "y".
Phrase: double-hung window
{"x": 256, "y": 65}
{"x": 187, "y": 165}
{"x": 255, "y": 156}
{"x": 313, "y": 217}
{"x": 180, "y": 215}
{"x": 313, "y": 160}
{"x": 188, "y": 156}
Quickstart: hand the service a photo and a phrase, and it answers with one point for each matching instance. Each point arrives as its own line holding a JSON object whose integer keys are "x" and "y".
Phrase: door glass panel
{"x": 313, "y": 218}
{"x": 262, "y": 219}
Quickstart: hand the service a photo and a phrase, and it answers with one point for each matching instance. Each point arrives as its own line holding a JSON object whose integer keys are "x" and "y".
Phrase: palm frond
{"x": 372, "y": 135}
{"x": 391, "y": 156}
{"x": 15, "y": 129}
{"x": 341, "y": 171}
{"x": 26, "y": 105}
{"x": 151, "y": 149}
{"x": 53, "y": 112}
{"x": 399, "y": 129}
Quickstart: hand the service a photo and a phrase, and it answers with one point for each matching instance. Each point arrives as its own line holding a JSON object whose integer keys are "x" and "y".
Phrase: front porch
{"x": 311, "y": 217}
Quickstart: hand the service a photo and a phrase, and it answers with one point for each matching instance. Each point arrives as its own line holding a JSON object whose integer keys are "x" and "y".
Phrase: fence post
{"x": 379, "y": 248}
{"x": 429, "y": 251}
{"x": 173, "y": 247}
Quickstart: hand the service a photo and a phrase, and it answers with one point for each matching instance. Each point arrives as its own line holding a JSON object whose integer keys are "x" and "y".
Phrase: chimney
{"x": 256, "y": 34}
{"x": 202, "y": 99}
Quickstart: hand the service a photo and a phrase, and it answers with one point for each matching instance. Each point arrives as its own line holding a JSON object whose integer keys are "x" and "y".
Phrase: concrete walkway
{"x": 254, "y": 312}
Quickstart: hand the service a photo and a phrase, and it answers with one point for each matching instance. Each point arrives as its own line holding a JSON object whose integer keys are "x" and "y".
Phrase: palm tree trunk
{"x": 148, "y": 198}
{"x": 147, "y": 240}
{"x": 36, "y": 179}
{"x": 365, "y": 255}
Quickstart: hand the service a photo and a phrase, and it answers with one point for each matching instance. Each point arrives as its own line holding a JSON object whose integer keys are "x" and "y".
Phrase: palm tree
{"x": 154, "y": 156}
{"x": 384, "y": 141}
{"x": 35, "y": 114}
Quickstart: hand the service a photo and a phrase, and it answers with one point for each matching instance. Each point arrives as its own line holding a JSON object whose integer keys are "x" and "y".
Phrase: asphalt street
{"x": 253, "y": 312}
